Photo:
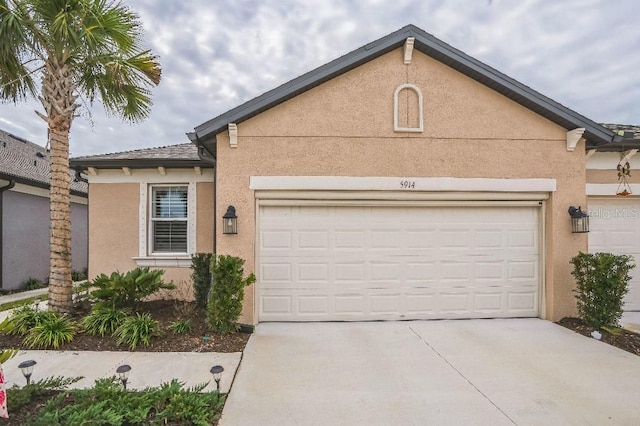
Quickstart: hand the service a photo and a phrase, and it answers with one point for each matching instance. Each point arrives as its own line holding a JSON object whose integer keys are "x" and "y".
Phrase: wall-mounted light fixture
{"x": 579, "y": 220}
{"x": 230, "y": 221}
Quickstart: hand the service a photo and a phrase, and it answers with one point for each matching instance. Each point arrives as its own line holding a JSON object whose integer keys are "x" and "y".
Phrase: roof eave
{"x": 139, "y": 163}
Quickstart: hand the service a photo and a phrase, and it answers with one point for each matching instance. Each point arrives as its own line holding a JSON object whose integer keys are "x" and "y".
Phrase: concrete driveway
{"x": 466, "y": 372}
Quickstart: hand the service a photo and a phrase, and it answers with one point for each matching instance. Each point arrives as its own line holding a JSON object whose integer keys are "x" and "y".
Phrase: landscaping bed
{"x": 199, "y": 339}
{"x": 626, "y": 340}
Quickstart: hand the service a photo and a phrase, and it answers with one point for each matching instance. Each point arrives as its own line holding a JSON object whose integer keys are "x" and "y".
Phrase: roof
{"x": 28, "y": 163}
{"x": 181, "y": 155}
{"x": 630, "y": 134}
{"x": 595, "y": 134}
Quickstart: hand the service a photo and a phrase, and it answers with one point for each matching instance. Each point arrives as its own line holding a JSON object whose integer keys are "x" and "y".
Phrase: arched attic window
{"x": 408, "y": 110}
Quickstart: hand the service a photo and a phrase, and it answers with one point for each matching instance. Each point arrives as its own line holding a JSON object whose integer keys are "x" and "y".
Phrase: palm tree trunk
{"x": 59, "y": 102}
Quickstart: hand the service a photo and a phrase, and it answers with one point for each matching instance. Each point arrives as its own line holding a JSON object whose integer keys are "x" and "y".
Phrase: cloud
{"x": 217, "y": 55}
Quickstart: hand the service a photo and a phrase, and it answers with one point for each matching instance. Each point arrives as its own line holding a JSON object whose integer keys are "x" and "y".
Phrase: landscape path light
{"x": 217, "y": 370}
{"x": 27, "y": 369}
{"x": 123, "y": 373}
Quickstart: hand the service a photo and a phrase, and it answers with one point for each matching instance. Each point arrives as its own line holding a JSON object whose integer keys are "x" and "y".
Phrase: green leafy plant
{"x": 25, "y": 318}
{"x": 227, "y": 293}
{"x": 52, "y": 332}
{"x": 107, "y": 403}
{"x": 602, "y": 281}
{"x": 126, "y": 290}
{"x": 201, "y": 277}
{"x": 136, "y": 330}
{"x": 33, "y": 284}
{"x": 7, "y": 354}
{"x": 103, "y": 320}
{"x": 79, "y": 275}
{"x": 20, "y": 397}
{"x": 181, "y": 326}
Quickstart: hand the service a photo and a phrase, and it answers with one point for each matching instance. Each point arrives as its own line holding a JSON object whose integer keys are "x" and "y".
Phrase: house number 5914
{"x": 407, "y": 184}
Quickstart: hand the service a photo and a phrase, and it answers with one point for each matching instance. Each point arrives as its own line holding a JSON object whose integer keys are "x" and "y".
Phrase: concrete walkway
{"x": 466, "y": 372}
{"x": 147, "y": 368}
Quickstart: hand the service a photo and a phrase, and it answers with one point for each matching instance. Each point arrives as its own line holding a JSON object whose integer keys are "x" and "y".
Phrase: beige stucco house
{"x": 404, "y": 180}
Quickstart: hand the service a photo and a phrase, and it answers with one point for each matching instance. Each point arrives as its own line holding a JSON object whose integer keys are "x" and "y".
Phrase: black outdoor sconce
{"x": 230, "y": 221}
{"x": 579, "y": 220}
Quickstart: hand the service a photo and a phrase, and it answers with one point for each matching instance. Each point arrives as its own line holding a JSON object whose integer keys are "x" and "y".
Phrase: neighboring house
{"x": 149, "y": 207}
{"x": 615, "y": 220}
{"x": 404, "y": 180}
{"x": 24, "y": 213}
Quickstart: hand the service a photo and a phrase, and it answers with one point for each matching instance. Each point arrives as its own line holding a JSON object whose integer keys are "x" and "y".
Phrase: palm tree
{"x": 60, "y": 52}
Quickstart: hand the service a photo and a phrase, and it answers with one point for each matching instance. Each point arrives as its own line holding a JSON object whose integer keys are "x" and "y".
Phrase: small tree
{"x": 602, "y": 281}
{"x": 227, "y": 293}
{"x": 201, "y": 277}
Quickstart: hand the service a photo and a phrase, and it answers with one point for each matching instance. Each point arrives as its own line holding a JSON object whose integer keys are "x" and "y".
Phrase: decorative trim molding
{"x": 396, "y": 126}
{"x": 573, "y": 137}
{"x": 408, "y": 49}
{"x": 152, "y": 176}
{"x": 590, "y": 153}
{"x": 626, "y": 156}
{"x": 233, "y": 135}
{"x": 404, "y": 184}
{"x": 609, "y": 161}
{"x": 600, "y": 189}
{"x": 142, "y": 220}
{"x": 126, "y": 171}
{"x": 169, "y": 261}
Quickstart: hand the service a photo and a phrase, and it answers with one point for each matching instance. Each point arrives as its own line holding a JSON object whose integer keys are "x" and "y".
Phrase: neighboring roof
{"x": 630, "y": 134}
{"x": 28, "y": 163}
{"x": 182, "y": 155}
{"x": 595, "y": 134}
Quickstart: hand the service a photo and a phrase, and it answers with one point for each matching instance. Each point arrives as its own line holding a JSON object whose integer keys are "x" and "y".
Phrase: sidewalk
{"x": 147, "y": 368}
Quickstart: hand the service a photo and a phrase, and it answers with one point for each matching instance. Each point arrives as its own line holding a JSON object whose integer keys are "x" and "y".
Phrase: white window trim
{"x": 145, "y": 257}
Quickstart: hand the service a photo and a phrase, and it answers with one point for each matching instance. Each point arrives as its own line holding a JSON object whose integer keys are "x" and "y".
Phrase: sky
{"x": 217, "y": 54}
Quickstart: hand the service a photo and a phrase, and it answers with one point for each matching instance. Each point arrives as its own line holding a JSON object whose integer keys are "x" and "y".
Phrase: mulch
{"x": 626, "y": 340}
{"x": 200, "y": 339}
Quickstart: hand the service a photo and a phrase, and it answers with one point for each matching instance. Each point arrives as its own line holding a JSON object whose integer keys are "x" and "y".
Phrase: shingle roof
{"x": 635, "y": 129}
{"x": 426, "y": 43}
{"x": 181, "y": 155}
{"x": 28, "y": 163}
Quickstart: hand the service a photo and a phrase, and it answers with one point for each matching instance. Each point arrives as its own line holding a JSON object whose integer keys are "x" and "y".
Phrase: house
{"x": 149, "y": 207}
{"x": 24, "y": 214}
{"x": 404, "y": 180}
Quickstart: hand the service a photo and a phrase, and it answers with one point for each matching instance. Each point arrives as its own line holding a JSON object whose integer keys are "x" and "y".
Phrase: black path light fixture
{"x": 123, "y": 374}
{"x": 217, "y": 370}
{"x": 27, "y": 369}
{"x": 230, "y": 221}
{"x": 579, "y": 220}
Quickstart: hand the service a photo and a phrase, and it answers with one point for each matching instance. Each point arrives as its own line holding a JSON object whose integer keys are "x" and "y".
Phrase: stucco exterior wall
{"x": 115, "y": 230}
{"x": 25, "y": 238}
{"x": 344, "y": 127}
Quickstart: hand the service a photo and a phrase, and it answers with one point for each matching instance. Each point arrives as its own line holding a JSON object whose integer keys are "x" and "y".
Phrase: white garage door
{"x": 614, "y": 226}
{"x": 320, "y": 263}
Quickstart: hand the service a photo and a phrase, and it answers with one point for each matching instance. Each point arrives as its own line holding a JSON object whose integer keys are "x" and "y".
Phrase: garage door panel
{"x": 359, "y": 263}
{"x": 615, "y": 228}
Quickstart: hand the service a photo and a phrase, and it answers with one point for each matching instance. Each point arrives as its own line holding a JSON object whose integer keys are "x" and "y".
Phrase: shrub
{"x": 19, "y": 397}
{"x": 26, "y": 318}
{"x": 181, "y": 326}
{"x": 201, "y": 277}
{"x": 79, "y": 275}
{"x": 126, "y": 290}
{"x": 108, "y": 403}
{"x": 227, "y": 292}
{"x": 136, "y": 330}
{"x": 33, "y": 284}
{"x": 102, "y": 321}
{"x": 52, "y": 332}
{"x": 602, "y": 281}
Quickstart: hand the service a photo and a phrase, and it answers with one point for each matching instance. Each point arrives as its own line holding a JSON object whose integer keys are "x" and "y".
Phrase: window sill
{"x": 165, "y": 261}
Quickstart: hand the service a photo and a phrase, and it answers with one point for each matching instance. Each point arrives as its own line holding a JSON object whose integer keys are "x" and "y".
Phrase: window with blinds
{"x": 169, "y": 219}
